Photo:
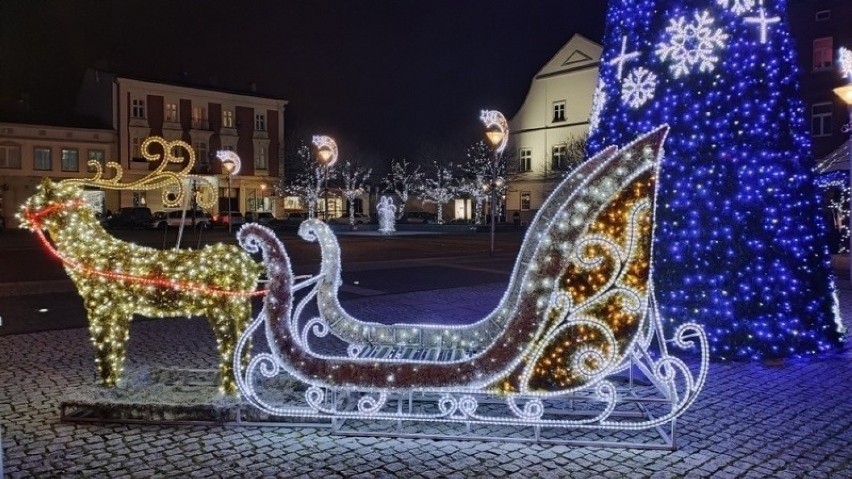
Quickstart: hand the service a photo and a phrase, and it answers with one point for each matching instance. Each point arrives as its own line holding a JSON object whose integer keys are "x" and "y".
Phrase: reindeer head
{"x": 51, "y": 206}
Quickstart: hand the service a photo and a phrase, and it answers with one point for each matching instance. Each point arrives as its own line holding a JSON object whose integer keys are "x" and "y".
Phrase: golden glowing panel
{"x": 605, "y": 287}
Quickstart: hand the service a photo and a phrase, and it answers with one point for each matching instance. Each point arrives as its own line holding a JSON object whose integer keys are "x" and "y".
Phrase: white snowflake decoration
{"x": 846, "y": 62}
{"x": 692, "y": 44}
{"x": 598, "y": 102}
{"x": 639, "y": 87}
{"x": 737, "y": 6}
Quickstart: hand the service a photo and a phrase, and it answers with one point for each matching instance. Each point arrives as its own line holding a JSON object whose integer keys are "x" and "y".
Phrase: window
{"x": 70, "y": 159}
{"x": 199, "y": 118}
{"x": 136, "y": 149}
{"x": 97, "y": 155}
{"x": 201, "y": 153}
{"x": 260, "y": 122}
{"x": 823, "y": 53}
{"x": 821, "y": 119}
{"x": 260, "y": 158}
{"x": 822, "y": 15}
{"x": 525, "y": 200}
{"x": 227, "y": 119}
{"x": 42, "y": 160}
{"x": 559, "y": 111}
{"x": 526, "y": 159}
{"x": 10, "y": 156}
{"x": 137, "y": 109}
{"x": 558, "y": 157}
{"x": 171, "y": 112}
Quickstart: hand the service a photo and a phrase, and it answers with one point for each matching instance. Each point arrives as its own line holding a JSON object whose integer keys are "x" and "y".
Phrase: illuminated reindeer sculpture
{"x": 118, "y": 279}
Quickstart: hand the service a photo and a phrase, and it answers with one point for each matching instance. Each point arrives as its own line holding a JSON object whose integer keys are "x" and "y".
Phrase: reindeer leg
{"x": 109, "y": 331}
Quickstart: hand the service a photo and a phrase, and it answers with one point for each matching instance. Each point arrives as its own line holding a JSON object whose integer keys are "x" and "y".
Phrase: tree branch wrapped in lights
{"x": 578, "y": 310}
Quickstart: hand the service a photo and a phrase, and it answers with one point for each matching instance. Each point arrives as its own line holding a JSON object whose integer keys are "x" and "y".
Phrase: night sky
{"x": 388, "y": 79}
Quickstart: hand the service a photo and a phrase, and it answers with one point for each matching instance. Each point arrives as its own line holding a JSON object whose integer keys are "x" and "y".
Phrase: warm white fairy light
{"x": 549, "y": 314}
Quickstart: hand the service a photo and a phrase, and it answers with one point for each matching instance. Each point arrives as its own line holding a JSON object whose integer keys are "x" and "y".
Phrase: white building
{"x": 209, "y": 120}
{"x": 29, "y": 153}
{"x": 554, "y": 114}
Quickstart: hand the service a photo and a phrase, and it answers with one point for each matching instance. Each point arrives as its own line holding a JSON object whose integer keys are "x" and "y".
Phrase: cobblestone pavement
{"x": 751, "y": 420}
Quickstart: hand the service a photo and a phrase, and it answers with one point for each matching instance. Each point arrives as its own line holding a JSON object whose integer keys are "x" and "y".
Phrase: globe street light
{"x": 327, "y": 156}
{"x": 497, "y": 134}
{"x": 845, "y": 93}
{"x": 231, "y": 164}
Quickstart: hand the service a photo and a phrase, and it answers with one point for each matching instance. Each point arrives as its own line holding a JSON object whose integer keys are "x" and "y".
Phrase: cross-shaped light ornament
{"x": 623, "y": 57}
{"x": 763, "y": 21}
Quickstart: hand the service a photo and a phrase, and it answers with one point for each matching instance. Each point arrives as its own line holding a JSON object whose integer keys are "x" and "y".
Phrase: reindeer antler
{"x": 171, "y": 182}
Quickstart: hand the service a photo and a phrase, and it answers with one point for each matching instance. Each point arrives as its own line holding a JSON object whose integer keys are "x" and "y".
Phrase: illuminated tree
{"x": 740, "y": 245}
{"x": 353, "y": 178}
{"x": 438, "y": 187}
{"x": 404, "y": 180}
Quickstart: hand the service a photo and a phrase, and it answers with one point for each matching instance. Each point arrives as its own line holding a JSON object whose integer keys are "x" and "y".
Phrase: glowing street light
{"x": 327, "y": 156}
{"x": 497, "y": 134}
{"x": 231, "y": 164}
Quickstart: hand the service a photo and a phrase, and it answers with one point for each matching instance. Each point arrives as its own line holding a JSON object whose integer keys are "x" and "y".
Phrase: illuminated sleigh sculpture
{"x": 576, "y": 323}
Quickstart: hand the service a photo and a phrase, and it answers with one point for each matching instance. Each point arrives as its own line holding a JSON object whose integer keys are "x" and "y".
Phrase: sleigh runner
{"x": 562, "y": 350}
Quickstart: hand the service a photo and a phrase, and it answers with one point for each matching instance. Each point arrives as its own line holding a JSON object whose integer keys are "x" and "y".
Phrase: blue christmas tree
{"x": 740, "y": 245}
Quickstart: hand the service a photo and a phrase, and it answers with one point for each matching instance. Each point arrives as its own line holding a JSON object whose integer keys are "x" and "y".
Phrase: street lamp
{"x": 845, "y": 93}
{"x": 263, "y": 196}
{"x": 327, "y": 156}
{"x": 231, "y": 164}
{"x": 497, "y": 134}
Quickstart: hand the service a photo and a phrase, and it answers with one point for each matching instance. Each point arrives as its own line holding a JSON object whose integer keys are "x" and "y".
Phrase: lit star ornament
{"x": 638, "y": 88}
{"x": 763, "y": 21}
{"x": 691, "y": 44}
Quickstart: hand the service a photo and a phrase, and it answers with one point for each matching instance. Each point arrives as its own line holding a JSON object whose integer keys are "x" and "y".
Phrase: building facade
{"x": 552, "y": 124}
{"x": 29, "y": 153}
{"x": 820, "y": 28}
{"x": 208, "y": 120}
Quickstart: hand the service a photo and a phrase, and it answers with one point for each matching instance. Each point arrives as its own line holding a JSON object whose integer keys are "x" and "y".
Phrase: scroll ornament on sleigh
{"x": 578, "y": 308}
{"x": 118, "y": 279}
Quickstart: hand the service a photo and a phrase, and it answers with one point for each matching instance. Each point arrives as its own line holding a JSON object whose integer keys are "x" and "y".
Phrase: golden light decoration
{"x": 171, "y": 182}
{"x": 118, "y": 279}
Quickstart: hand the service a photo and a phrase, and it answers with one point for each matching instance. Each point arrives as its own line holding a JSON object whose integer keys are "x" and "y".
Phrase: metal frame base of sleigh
{"x": 574, "y": 353}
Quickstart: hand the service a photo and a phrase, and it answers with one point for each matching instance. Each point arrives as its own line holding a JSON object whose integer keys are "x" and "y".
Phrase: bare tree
{"x": 484, "y": 171}
{"x": 404, "y": 180}
{"x": 308, "y": 179}
{"x": 438, "y": 187}
{"x": 353, "y": 178}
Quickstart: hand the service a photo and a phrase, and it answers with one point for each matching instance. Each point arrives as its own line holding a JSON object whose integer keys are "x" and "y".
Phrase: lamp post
{"x": 845, "y": 93}
{"x": 327, "y": 156}
{"x": 263, "y": 197}
{"x": 231, "y": 164}
{"x": 497, "y": 134}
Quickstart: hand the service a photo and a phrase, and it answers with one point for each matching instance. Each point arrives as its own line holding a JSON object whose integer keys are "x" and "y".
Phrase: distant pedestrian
{"x": 516, "y": 219}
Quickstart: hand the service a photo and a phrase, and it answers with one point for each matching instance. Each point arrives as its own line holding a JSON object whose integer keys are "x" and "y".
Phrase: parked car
{"x": 234, "y": 218}
{"x": 163, "y": 219}
{"x": 130, "y": 217}
{"x": 295, "y": 218}
{"x": 262, "y": 217}
{"x": 360, "y": 219}
{"x": 422, "y": 217}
